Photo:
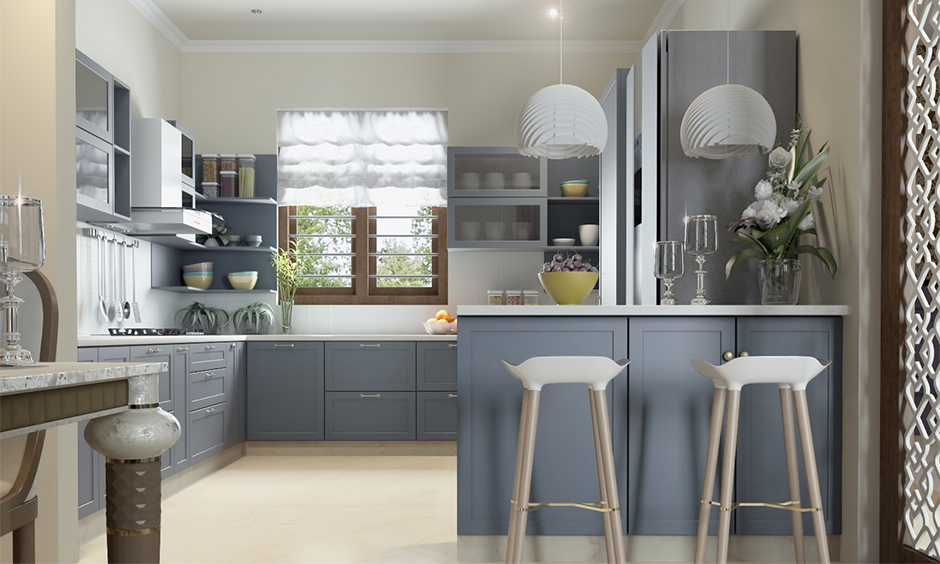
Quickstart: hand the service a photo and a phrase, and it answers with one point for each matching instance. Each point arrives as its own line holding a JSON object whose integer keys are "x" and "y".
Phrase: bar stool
{"x": 539, "y": 371}
{"x": 791, "y": 374}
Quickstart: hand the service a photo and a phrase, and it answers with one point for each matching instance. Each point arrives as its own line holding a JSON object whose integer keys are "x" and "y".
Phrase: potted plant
{"x": 286, "y": 266}
{"x": 254, "y": 318}
{"x": 199, "y": 317}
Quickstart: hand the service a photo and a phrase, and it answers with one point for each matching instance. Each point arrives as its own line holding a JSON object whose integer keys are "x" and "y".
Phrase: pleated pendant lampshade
{"x": 727, "y": 121}
{"x": 561, "y": 121}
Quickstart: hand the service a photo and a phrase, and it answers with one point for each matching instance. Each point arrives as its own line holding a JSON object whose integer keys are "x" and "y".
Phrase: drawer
{"x": 370, "y": 416}
{"x": 206, "y": 432}
{"x": 157, "y": 353}
{"x": 206, "y": 356}
{"x": 206, "y": 388}
{"x": 370, "y": 366}
{"x": 437, "y": 367}
{"x": 437, "y": 416}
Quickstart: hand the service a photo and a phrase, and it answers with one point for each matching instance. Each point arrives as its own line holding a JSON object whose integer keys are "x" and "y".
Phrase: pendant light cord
{"x": 561, "y": 41}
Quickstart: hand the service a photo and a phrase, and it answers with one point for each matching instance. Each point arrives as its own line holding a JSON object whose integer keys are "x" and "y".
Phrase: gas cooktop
{"x": 149, "y": 331}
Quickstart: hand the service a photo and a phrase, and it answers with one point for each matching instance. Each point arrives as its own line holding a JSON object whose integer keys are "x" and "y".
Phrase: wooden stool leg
{"x": 24, "y": 543}
{"x": 525, "y": 477}
{"x": 711, "y": 467}
{"x": 516, "y": 481}
{"x": 601, "y": 480}
{"x": 793, "y": 478}
{"x": 610, "y": 476}
{"x": 812, "y": 478}
{"x": 727, "y": 474}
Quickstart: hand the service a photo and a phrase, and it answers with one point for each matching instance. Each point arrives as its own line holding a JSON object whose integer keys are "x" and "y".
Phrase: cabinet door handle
{"x": 452, "y": 345}
{"x": 210, "y": 347}
{"x": 210, "y": 375}
{"x": 362, "y": 345}
{"x": 151, "y": 351}
{"x": 452, "y": 396}
{"x": 210, "y": 410}
{"x": 182, "y": 349}
{"x": 233, "y": 346}
{"x": 744, "y": 353}
{"x": 370, "y": 395}
{"x": 290, "y": 346}
{"x": 728, "y": 355}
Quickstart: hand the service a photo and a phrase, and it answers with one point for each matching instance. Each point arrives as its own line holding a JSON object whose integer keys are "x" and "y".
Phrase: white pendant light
{"x": 561, "y": 121}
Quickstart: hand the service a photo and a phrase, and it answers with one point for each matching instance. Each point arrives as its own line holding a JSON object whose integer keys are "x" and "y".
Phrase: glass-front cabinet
{"x": 493, "y": 172}
{"x": 475, "y": 223}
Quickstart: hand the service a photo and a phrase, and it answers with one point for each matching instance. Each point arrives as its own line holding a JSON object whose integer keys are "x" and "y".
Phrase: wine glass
{"x": 22, "y": 249}
{"x": 701, "y": 239}
{"x": 669, "y": 265}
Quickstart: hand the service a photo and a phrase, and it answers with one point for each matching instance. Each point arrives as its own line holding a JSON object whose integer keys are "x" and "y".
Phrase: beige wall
{"x": 839, "y": 93}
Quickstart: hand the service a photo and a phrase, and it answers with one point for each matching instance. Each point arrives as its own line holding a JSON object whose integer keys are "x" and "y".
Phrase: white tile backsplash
{"x": 471, "y": 274}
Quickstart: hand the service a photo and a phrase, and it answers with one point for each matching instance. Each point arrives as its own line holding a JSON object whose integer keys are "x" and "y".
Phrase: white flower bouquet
{"x": 780, "y": 212}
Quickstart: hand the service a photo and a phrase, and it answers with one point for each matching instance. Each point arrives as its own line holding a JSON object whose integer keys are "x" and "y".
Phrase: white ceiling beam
{"x": 424, "y": 46}
{"x": 663, "y": 18}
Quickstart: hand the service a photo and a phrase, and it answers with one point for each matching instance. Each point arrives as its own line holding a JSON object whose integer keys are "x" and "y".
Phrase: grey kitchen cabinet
{"x": 372, "y": 416}
{"x": 436, "y": 367}
{"x": 236, "y": 393}
{"x": 369, "y": 366}
{"x": 496, "y": 223}
{"x": 285, "y": 391}
{"x": 760, "y": 469}
{"x": 437, "y": 416}
{"x": 206, "y": 428}
{"x": 488, "y": 413}
{"x": 168, "y": 386}
{"x": 180, "y": 451}
{"x": 669, "y": 406}
{"x": 207, "y": 381}
{"x": 494, "y": 172}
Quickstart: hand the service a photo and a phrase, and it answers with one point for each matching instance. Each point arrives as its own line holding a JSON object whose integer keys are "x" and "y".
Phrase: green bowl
{"x": 568, "y": 288}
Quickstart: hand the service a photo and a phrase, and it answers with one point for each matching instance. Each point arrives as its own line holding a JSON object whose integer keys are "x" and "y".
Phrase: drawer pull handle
{"x": 452, "y": 345}
{"x": 362, "y": 346}
{"x": 370, "y": 395}
{"x": 182, "y": 349}
{"x": 210, "y": 375}
{"x": 728, "y": 355}
{"x": 744, "y": 353}
{"x": 233, "y": 346}
{"x": 290, "y": 346}
{"x": 452, "y": 396}
{"x": 210, "y": 410}
{"x": 210, "y": 347}
{"x": 151, "y": 351}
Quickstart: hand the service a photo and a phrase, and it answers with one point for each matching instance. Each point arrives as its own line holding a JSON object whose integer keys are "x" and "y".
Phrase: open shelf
{"x": 238, "y": 249}
{"x": 209, "y": 201}
{"x": 573, "y": 200}
{"x": 191, "y": 290}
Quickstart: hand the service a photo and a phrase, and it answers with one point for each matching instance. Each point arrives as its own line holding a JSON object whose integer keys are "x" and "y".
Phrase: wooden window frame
{"x": 364, "y": 289}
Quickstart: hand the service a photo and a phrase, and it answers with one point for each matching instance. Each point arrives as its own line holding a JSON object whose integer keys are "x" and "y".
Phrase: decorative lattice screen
{"x": 922, "y": 292}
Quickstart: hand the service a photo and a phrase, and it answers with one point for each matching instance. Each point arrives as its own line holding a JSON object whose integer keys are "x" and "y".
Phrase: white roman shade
{"x": 362, "y": 158}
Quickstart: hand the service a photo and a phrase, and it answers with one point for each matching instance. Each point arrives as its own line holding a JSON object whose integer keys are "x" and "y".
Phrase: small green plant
{"x": 198, "y": 317}
{"x": 286, "y": 266}
{"x": 219, "y": 233}
{"x": 254, "y": 318}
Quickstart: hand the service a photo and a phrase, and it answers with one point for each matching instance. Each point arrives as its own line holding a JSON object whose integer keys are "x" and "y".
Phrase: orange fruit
{"x": 443, "y": 314}
{"x": 451, "y": 319}
{"x": 432, "y": 320}
{"x": 442, "y": 320}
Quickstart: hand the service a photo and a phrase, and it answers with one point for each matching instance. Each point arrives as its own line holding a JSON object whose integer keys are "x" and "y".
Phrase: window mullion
{"x": 360, "y": 245}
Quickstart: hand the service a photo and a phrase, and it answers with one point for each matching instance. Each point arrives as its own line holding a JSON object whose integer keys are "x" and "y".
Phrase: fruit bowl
{"x": 568, "y": 288}
{"x": 440, "y": 328}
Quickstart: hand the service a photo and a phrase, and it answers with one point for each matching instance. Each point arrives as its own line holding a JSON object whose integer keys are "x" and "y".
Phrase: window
{"x": 392, "y": 255}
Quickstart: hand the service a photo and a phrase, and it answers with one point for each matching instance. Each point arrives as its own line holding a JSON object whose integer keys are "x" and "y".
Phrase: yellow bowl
{"x": 568, "y": 288}
{"x": 200, "y": 281}
{"x": 242, "y": 281}
{"x": 574, "y": 190}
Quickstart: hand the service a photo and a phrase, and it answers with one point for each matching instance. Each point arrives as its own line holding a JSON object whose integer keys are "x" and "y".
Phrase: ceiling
{"x": 613, "y": 24}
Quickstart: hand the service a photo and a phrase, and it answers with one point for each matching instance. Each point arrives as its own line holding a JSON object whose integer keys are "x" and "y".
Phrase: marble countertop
{"x": 44, "y": 375}
{"x": 107, "y": 340}
{"x": 654, "y": 310}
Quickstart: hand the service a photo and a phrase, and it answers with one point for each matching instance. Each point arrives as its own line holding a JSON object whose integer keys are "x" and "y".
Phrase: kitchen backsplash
{"x": 471, "y": 274}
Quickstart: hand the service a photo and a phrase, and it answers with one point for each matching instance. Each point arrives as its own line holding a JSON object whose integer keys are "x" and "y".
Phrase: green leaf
{"x": 810, "y": 231}
{"x": 774, "y": 237}
{"x": 812, "y": 167}
{"x": 822, "y": 254}
{"x": 742, "y": 256}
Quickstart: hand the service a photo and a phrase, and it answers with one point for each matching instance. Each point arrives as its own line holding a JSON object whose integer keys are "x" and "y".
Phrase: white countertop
{"x": 18, "y": 379}
{"x": 653, "y": 310}
{"x": 108, "y": 340}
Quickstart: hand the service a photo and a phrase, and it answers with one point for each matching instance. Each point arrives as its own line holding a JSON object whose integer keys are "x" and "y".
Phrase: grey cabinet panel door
{"x": 206, "y": 356}
{"x": 437, "y": 416}
{"x": 761, "y": 468}
{"x": 370, "y": 416}
{"x": 670, "y": 410}
{"x": 488, "y": 423}
{"x": 207, "y": 387}
{"x": 167, "y": 468}
{"x": 90, "y": 494}
{"x": 180, "y": 450}
{"x": 235, "y": 393}
{"x": 159, "y": 353}
{"x": 437, "y": 367}
{"x": 285, "y": 391}
{"x": 88, "y": 354}
{"x": 206, "y": 432}
{"x": 113, "y": 354}
{"x": 370, "y": 366}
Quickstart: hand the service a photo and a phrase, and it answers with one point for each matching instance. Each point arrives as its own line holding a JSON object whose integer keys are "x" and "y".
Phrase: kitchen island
{"x": 659, "y": 408}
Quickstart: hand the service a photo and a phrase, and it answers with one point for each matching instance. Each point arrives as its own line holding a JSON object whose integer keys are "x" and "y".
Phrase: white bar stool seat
{"x": 539, "y": 371}
{"x": 791, "y": 374}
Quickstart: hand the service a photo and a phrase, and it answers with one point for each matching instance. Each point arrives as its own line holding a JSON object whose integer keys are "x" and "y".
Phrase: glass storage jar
{"x": 228, "y": 183}
{"x": 246, "y": 176}
{"x": 513, "y": 297}
{"x": 494, "y": 297}
{"x": 228, "y": 162}
{"x": 210, "y": 168}
{"x": 210, "y": 189}
{"x": 531, "y": 297}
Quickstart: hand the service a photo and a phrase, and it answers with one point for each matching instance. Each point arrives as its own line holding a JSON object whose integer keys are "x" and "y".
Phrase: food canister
{"x": 494, "y": 297}
{"x": 246, "y": 176}
{"x": 210, "y": 168}
{"x": 228, "y": 162}
{"x": 210, "y": 189}
{"x": 229, "y": 183}
{"x": 531, "y": 297}
{"x": 513, "y": 297}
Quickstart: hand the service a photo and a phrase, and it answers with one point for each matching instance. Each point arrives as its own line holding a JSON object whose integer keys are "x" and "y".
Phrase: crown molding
{"x": 662, "y": 20}
{"x": 427, "y": 46}
{"x": 159, "y": 20}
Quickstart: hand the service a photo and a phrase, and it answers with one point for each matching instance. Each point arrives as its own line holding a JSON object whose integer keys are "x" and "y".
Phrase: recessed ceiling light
{"x": 255, "y": 11}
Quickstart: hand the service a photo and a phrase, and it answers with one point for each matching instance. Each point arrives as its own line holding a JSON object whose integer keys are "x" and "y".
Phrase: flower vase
{"x": 779, "y": 281}
{"x": 287, "y": 309}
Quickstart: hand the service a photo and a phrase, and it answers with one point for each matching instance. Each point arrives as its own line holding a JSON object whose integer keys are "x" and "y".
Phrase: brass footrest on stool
{"x": 589, "y": 505}
{"x": 786, "y": 505}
